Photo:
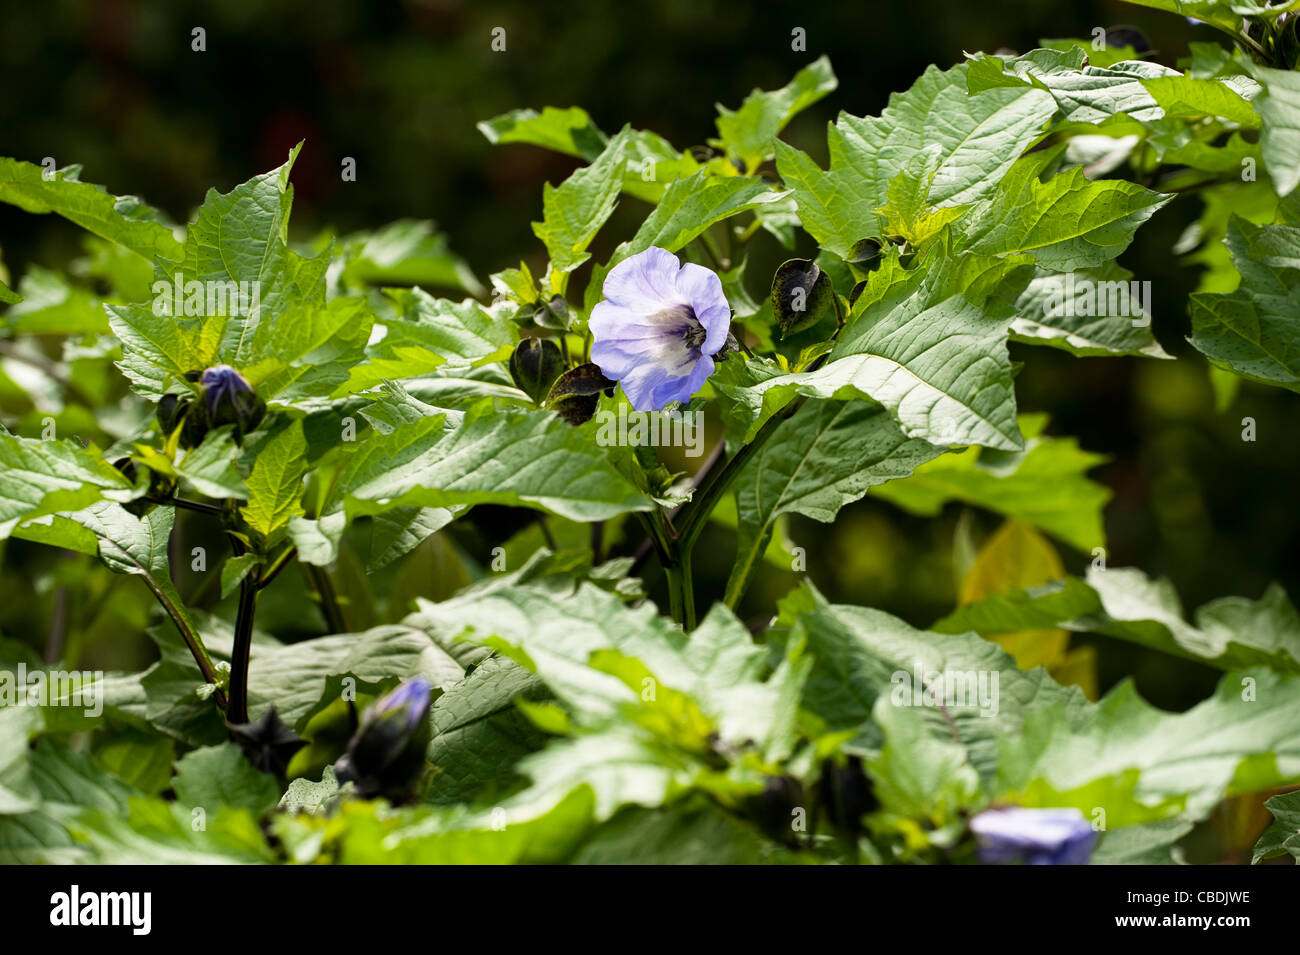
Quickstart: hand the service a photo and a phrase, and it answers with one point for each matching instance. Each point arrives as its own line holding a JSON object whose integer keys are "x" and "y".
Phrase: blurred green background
{"x": 115, "y": 86}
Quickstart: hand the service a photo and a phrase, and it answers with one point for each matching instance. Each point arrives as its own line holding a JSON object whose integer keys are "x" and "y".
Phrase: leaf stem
{"x": 326, "y": 598}
{"x": 197, "y": 650}
{"x": 546, "y": 533}
{"x": 237, "y": 710}
{"x": 714, "y": 487}
{"x": 718, "y": 482}
{"x": 681, "y": 589}
{"x": 197, "y": 506}
{"x": 279, "y": 564}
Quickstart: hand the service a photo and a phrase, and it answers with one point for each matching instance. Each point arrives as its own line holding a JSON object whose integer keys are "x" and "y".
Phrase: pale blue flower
{"x": 1033, "y": 836}
{"x": 658, "y": 328}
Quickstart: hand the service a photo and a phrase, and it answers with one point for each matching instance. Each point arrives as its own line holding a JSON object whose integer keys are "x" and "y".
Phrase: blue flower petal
{"x": 702, "y": 289}
{"x": 644, "y": 281}
{"x": 1033, "y": 836}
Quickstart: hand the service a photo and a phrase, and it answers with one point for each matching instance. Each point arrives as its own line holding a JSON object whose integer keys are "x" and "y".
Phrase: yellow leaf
{"x": 1018, "y": 556}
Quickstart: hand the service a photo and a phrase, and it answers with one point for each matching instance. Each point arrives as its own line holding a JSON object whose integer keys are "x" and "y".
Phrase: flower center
{"x": 692, "y": 332}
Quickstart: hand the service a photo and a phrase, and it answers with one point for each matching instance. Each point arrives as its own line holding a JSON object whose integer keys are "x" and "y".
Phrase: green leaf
{"x": 1253, "y": 331}
{"x": 748, "y": 134}
{"x": 396, "y": 533}
{"x": 573, "y": 212}
{"x": 428, "y": 332}
{"x": 305, "y": 796}
{"x": 212, "y": 467}
{"x": 264, "y": 310}
{"x": 1084, "y": 94}
{"x": 39, "y": 478}
{"x": 1045, "y": 486}
{"x": 652, "y": 160}
{"x": 979, "y": 136}
{"x": 138, "y": 547}
{"x": 1087, "y": 312}
{"x": 1149, "y": 843}
{"x": 423, "y": 836}
{"x": 1279, "y": 110}
{"x": 1238, "y": 741}
{"x": 1224, "y": 14}
{"x": 143, "y": 760}
{"x": 234, "y": 570}
{"x": 154, "y": 832}
{"x": 1284, "y": 835}
{"x": 690, "y": 832}
{"x": 480, "y": 735}
{"x": 691, "y": 205}
{"x": 569, "y": 131}
{"x": 275, "y": 483}
{"x": 1038, "y": 743}
{"x": 59, "y": 783}
{"x": 124, "y": 220}
{"x": 406, "y": 252}
{"x": 1230, "y": 633}
{"x": 929, "y": 344}
{"x": 629, "y": 676}
{"x": 296, "y": 678}
{"x": 863, "y": 656}
{"x": 825, "y": 456}
{"x": 917, "y": 775}
{"x": 1068, "y": 221}
{"x": 521, "y": 458}
{"x": 220, "y": 776}
{"x": 50, "y": 305}
{"x": 1107, "y": 56}
{"x": 1190, "y": 98}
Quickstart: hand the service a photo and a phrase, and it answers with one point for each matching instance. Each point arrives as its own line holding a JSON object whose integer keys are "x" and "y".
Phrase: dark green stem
{"x": 719, "y": 481}
{"x": 237, "y": 711}
{"x": 326, "y": 598}
{"x": 546, "y": 533}
{"x": 279, "y": 564}
{"x": 192, "y": 640}
{"x": 681, "y": 589}
{"x": 711, "y": 492}
{"x": 196, "y": 506}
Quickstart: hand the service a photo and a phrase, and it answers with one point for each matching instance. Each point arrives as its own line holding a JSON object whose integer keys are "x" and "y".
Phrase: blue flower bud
{"x": 229, "y": 399}
{"x": 386, "y": 755}
{"x": 226, "y": 398}
{"x": 1033, "y": 836}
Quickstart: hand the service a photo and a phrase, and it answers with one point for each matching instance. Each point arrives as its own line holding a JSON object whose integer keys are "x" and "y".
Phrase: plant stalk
{"x": 326, "y": 598}
{"x": 237, "y": 710}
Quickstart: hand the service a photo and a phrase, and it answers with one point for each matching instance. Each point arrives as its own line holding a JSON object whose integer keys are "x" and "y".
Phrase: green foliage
{"x": 382, "y": 521}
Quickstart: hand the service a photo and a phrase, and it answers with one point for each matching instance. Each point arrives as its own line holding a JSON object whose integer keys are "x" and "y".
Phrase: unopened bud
{"x": 386, "y": 755}
{"x": 534, "y": 365}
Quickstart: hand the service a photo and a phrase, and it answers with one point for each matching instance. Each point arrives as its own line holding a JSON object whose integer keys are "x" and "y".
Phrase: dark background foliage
{"x": 115, "y": 86}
